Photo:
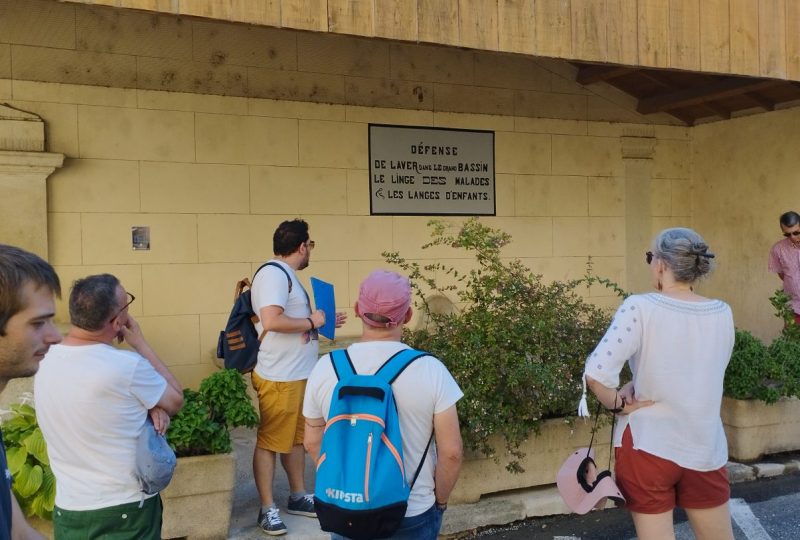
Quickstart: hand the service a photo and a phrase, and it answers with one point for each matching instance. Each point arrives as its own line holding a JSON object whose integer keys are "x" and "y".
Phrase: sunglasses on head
{"x": 648, "y": 256}
{"x": 793, "y": 233}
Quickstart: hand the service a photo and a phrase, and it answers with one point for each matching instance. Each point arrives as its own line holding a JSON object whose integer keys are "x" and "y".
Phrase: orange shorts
{"x": 280, "y": 406}
{"x": 652, "y": 485}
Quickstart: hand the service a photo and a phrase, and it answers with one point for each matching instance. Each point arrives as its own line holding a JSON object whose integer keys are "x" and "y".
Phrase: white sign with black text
{"x": 431, "y": 171}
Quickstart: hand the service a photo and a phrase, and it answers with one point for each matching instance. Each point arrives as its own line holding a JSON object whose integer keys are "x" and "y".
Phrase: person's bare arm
{"x": 312, "y": 440}
{"x": 274, "y": 320}
{"x": 172, "y": 399}
{"x": 20, "y": 530}
{"x": 624, "y": 399}
{"x": 450, "y": 452}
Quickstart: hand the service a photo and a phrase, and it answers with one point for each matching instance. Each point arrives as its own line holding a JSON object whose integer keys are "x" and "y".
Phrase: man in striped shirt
{"x": 784, "y": 259}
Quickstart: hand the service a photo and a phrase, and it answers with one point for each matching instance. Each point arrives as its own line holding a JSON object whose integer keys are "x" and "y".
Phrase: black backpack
{"x": 238, "y": 344}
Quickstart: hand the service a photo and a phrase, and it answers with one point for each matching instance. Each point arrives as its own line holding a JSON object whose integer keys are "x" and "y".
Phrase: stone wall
{"x": 212, "y": 166}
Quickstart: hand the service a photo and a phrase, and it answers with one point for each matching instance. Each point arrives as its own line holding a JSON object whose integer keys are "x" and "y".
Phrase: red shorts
{"x": 652, "y": 485}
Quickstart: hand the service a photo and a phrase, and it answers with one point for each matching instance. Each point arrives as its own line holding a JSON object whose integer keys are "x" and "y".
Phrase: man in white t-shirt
{"x": 92, "y": 402}
{"x": 287, "y": 355}
{"x": 425, "y": 394}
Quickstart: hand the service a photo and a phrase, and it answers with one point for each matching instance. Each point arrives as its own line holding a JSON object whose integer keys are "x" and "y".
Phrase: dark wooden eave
{"x": 690, "y": 96}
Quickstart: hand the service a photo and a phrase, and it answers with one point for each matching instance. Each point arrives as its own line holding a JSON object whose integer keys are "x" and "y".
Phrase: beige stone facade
{"x": 211, "y": 133}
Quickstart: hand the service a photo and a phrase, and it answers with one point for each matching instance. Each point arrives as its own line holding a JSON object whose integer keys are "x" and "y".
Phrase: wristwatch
{"x": 441, "y": 507}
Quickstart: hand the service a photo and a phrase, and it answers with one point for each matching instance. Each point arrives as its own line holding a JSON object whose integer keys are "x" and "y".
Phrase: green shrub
{"x": 34, "y": 484}
{"x": 518, "y": 346}
{"x": 784, "y": 355}
{"x": 766, "y": 373}
{"x": 203, "y": 424}
{"x": 751, "y": 370}
{"x": 782, "y": 303}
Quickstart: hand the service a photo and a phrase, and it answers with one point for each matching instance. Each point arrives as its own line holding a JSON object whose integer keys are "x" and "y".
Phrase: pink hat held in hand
{"x": 384, "y": 299}
{"x": 580, "y": 485}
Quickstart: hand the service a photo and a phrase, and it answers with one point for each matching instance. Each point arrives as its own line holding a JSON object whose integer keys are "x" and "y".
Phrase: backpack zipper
{"x": 366, "y": 473}
{"x": 353, "y": 418}
{"x": 396, "y": 455}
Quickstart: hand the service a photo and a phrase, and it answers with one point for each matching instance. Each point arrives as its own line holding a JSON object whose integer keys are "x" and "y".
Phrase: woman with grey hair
{"x": 669, "y": 443}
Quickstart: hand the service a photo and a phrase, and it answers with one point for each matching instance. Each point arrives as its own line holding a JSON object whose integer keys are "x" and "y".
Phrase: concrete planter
{"x": 754, "y": 428}
{"x": 544, "y": 455}
{"x": 198, "y": 501}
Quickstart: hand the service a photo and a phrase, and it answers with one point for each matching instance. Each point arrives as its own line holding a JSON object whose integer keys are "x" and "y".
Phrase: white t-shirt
{"x": 283, "y": 357}
{"x": 91, "y": 404}
{"x": 678, "y": 352}
{"x": 425, "y": 388}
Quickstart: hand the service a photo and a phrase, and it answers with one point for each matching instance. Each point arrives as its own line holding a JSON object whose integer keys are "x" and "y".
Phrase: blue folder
{"x": 324, "y": 299}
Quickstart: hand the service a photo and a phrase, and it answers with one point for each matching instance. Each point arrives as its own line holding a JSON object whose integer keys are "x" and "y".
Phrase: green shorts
{"x": 121, "y": 522}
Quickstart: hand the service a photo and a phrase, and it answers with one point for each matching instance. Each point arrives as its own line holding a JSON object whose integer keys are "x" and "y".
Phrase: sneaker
{"x": 271, "y": 522}
{"x": 304, "y": 506}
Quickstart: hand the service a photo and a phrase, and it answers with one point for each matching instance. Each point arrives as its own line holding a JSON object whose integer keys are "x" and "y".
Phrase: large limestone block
{"x": 755, "y": 429}
{"x": 544, "y": 454}
{"x": 198, "y": 501}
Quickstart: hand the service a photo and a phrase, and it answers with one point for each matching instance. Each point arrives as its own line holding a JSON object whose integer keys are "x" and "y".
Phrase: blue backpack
{"x": 238, "y": 344}
{"x": 361, "y": 490}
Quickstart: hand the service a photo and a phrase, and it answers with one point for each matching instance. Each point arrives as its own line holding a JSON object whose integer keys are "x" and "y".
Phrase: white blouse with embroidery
{"x": 677, "y": 351}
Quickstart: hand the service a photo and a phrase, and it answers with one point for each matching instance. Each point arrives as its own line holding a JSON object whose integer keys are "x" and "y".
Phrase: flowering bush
{"x": 518, "y": 346}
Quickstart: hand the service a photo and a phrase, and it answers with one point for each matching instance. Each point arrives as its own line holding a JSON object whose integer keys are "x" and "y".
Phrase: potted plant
{"x": 517, "y": 349}
{"x": 760, "y": 410}
{"x": 204, "y": 478}
{"x": 34, "y": 484}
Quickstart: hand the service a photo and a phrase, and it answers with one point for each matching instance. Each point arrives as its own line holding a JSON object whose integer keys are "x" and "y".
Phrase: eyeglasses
{"x": 793, "y": 233}
{"x": 648, "y": 256}
{"x": 310, "y": 244}
{"x": 132, "y": 298}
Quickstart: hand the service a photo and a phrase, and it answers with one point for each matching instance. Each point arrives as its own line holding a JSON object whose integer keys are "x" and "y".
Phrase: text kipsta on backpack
{"x": 361, "y": 489}
{"x": 238, "y": 344}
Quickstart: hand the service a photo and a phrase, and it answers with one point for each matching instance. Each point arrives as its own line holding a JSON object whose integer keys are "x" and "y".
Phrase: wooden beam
{"x": 595, "y": 74}
{"x": 719, "y": 110}
{"x": 657, "y": 78}
{"x": 732, "y": 86}
{"x": 761, "y": 101}
{"x": 683, "y": 117}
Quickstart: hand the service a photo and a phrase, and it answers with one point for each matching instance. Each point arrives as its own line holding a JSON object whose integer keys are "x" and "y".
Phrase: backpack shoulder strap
{"x": 342, "y": 365}
{"x": 389, "y": 371}
{"x": 279, "y": 267}
{"x": 394, "y": 366}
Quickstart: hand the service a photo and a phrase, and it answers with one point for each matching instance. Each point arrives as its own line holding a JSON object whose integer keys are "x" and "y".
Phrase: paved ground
{"x": 246, "y": 504}
{"x": 519, "y": 505}
{"x": 763, "y": 509}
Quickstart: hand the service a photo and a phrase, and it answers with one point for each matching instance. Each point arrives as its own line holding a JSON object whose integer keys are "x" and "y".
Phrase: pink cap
{"x": 582, "y": 487}
{"x": 384, "y": 299}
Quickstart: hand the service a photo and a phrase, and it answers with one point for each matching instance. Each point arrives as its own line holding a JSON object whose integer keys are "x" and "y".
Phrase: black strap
{"x": 594, "y": 430}
{"x": 279, "y": 267}
{"x": 421, "y": 461}
{"x": 288, "y": 278}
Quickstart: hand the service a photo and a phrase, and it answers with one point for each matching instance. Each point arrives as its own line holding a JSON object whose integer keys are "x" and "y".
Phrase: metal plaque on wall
{"x": 431, "y": 171}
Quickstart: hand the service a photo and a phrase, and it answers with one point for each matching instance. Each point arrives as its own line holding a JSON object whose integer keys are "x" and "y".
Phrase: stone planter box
{"x": 544, "y": 455}
{"x": 198, "y": 501}
{"x": 754, "y": 428}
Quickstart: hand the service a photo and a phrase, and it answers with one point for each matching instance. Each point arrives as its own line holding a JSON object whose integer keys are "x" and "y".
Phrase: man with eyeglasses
{"x": 784, "y": 259}
{"x": 288, "y": 353}
{"x": 92, "y": 402}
